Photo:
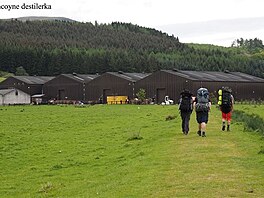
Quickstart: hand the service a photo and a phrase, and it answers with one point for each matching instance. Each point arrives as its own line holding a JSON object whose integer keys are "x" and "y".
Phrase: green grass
{"x": 252, "y": 109}
{"x": 124, "y": 151}
{"x": 1, "y": 79}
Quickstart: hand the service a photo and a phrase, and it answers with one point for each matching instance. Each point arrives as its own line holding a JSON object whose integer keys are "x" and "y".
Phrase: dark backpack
{"x": 226, "y": 99}
{"x": 202, "y": 103}
{"x": 186, "y": 103}
{"x": 226, "y": 103}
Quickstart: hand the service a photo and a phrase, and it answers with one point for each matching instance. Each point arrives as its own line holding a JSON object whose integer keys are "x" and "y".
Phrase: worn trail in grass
{"x": 224, "y": 164}
{"x": 124, "y": 151}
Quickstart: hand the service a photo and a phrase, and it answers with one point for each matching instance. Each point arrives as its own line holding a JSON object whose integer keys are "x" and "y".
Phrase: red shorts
{"x": 227, "y": 116}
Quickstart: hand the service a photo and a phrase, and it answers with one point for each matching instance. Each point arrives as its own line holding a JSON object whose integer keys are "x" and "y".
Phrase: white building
{"x": 13, "y": 96}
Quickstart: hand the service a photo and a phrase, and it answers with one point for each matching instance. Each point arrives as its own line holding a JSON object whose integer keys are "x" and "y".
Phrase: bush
{"x": 135, "y": 136}
{"x": 141, "y": 94}
{"x": 252, "y": 122}
{"x": 45, "y": 188}
{"x": 170, "y": 117}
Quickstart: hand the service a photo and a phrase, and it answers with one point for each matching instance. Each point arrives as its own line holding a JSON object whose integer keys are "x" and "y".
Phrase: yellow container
{"x": 220, "y": 98}
{"x": 219, "y": 102}
{"x": 220, "y": 92}
{"x": 116, "y": 99}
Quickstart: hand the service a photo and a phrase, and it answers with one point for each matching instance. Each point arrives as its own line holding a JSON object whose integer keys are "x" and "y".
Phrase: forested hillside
{"x": 54, "y": 47}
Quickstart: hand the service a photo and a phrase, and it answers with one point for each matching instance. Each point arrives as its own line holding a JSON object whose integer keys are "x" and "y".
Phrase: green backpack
{"x": 225, "y": 99}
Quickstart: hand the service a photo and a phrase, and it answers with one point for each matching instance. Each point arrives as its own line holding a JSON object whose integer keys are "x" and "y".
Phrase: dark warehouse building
{"x": 68, "y": 87}
{"x": 29, "y": 84}
{"x": 113, "y": 84}
{"x": 96, "y": 89}
{"x": 172, "y": 82}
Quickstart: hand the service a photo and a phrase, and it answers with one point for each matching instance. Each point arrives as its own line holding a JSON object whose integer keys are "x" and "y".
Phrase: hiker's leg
{"x": 199, "y": 121}
{"x": 183, "y": 121}
{"x": 229, "y": 120}
{"x": 187, "y": 121}
{"x": 223, "y": 117}
{"x": 204, "y": 122}
{"x": 223, "y": 121}
{"x": 203, "y": 126}
{"x": 200, "y": 126}
{"x": 203, "y": 129}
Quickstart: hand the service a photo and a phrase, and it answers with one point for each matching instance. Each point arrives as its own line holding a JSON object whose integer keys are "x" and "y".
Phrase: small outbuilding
{"x": 39, "y": 99}
{"x": 13, "y": 96}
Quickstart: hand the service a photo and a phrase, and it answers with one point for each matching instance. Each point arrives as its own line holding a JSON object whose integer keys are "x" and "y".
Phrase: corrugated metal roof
{"x": 6, "y": 91}
{"x": 88, "y": 77}
{"x": 215, "y": 76}
{"x": 81, "y": 77}
{"x": 34, "y": 79}
{"x": 249, "y": 77}
{"x": 133, "y": 77}
{"x": 37, "y": 95}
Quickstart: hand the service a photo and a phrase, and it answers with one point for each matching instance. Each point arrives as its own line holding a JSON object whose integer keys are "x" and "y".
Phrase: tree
{"x": 20, "y": 71}
{"x": 251, "y": 45}
{"x": 141, "y": 94}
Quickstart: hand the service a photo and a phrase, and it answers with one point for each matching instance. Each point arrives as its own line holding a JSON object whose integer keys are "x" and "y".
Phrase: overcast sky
{"x": 193, "y": 21}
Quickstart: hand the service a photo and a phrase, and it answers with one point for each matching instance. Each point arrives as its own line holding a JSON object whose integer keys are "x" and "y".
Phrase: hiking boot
{"x": 228, "y": 128}
{"x": 223, "y": 128}
{"x": 203, "y": 134}
{"x": 199, "y": 133}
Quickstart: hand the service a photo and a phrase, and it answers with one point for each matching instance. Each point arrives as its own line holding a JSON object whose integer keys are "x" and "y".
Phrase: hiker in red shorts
{"x": 226, "y": 102}
{"x": 226, "y": 117}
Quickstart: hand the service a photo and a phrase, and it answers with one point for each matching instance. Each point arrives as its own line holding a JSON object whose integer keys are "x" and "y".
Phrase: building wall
{"x": 157, "y": 85}
{"x": 108, "y": 85}
{"x": 250, "y": 91}
{"x": 161, "y": 84}
{"x": 64, "y": 88}
{"x": 30, "y": 89}
{"x": 15, "y": 97}
{"x": 240, "y": 90}
{"x": 212, "y": 87}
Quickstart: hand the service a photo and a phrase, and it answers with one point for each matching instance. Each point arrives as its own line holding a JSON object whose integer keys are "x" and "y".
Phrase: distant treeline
{"x": 54, "y": 47}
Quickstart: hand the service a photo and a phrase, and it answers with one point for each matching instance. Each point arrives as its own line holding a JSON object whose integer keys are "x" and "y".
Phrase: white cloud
{"x": 219, "y": 32}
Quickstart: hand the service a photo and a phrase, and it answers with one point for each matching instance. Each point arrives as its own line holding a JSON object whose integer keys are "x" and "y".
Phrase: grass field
{"x": 252, "y": 109}
{"x": 124, "y": 151}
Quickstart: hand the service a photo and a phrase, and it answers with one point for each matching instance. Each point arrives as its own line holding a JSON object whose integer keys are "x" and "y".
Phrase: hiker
{"x": 185, "y": 107}
{"x": 202, "y": 106}
{"x": 226, "y": 103}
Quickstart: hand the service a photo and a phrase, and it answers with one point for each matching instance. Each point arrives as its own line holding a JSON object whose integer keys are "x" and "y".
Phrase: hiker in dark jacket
{"x": 185, "y": 107}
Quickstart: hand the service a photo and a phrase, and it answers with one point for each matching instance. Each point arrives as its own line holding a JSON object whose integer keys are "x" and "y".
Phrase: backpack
{"x": 225, "y": 100}
{"x": 202, "y": 103}
{"x": 186, "y": 103}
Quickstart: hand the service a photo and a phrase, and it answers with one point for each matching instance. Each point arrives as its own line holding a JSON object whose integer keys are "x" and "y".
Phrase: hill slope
{"x": 54, "y": 47}
{"x": 38, "y": 18}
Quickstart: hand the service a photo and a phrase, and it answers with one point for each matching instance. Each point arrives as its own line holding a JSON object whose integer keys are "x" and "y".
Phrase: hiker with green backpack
{"x": 226, "y": 103}
{"x": 202, "y": 105}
